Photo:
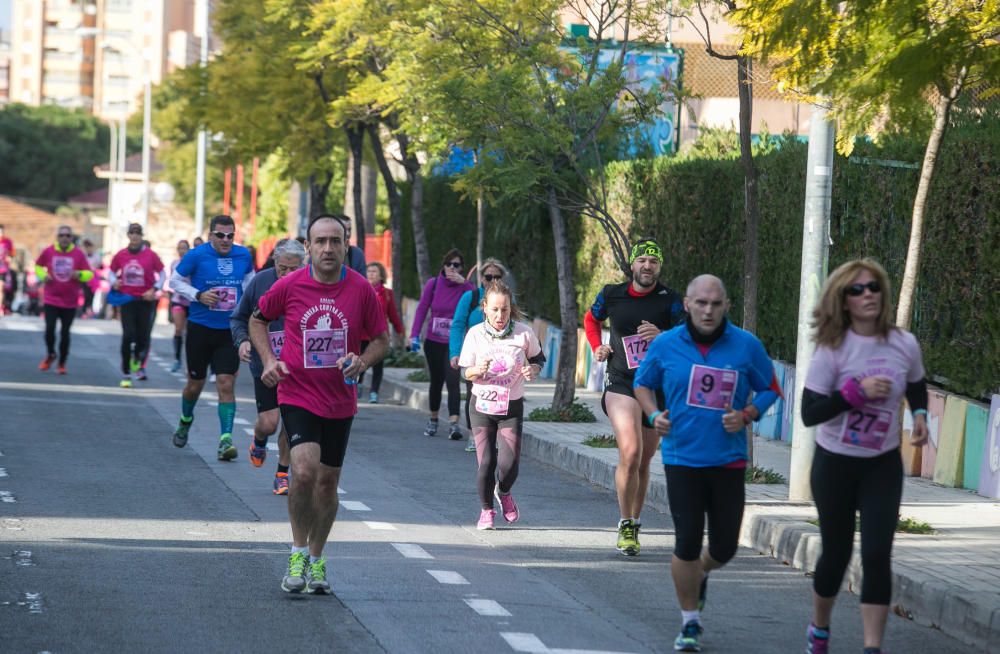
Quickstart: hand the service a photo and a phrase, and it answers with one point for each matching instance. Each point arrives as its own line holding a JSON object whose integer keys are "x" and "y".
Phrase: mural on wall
{"x": 989, "y": 469}
{"x": 951, "y": 443}
{"x": 935, "y": 413}
{"x": 976, "y": 419}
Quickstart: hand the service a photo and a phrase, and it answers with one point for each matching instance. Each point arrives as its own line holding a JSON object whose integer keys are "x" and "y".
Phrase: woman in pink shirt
{"x": 498, "y": 355}
{"x": 861, "y": 370}
{"x": 61, "y": 267}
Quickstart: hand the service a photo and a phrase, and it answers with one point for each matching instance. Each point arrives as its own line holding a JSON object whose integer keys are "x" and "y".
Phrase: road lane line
{"x": 448, "y": 577}
{"x": 412, "y": 551}
{"x": 488, "y": 608}
{"x": 353, "y": 505}
{"x": 380, "y": 526}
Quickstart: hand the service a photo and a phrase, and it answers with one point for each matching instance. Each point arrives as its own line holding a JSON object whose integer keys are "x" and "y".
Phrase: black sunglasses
{"x": 453, "y": 264}
{"x": 65, "y": 235}
{"x": 225, "y": 236}
{"x": 492, "y": 278}
{"x": 854, "y": 290}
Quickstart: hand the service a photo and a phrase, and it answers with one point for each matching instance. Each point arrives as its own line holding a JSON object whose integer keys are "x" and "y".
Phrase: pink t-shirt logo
{"x": 133, "y": 274}
{"x": 62, "y": 268}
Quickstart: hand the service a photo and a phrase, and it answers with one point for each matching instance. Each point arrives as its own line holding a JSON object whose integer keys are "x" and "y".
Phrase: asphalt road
{"x": 113, "y": 540}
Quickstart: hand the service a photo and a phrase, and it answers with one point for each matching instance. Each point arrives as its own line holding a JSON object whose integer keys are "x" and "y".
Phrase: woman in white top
{"x": 862, "y": 369}
{"x": 499, "y": 355}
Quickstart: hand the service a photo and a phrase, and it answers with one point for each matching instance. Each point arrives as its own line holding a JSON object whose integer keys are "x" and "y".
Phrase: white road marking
{"x": 353, "y": 505}
{"x": 241, "y": 421}
{"x": 380, "y": 526}
{"x": 341, "y": 491}
{"x": 3, "y": 472}
{"x": 412, "y": 551}
{"x": 521, "y": 642}
{"x": 488, "y": 608}
{"x": 272, "y": 447}
{"x": 248, "y": 431}
{"x": 448, "y": 577}
{"x": 8, "y": 497}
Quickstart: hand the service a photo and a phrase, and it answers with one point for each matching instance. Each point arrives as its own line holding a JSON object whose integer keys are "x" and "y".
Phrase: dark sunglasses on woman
{"x": 854, "y": 290}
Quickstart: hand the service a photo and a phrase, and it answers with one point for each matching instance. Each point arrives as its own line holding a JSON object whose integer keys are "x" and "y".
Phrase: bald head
{"x": 706, "y": 302}
{"x": 705, "y": 283}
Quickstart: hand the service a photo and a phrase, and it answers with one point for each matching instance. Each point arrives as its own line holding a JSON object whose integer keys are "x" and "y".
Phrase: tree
{"x": 882, "y": 67}
{"x": 697, "y": 14}
{"x": 49, "y": 152}
{"x": 548, "y": 117}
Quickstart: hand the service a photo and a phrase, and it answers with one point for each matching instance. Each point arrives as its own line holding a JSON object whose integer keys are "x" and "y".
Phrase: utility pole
{"x": 815, "y": 258}
{"x": 199, "y": 192}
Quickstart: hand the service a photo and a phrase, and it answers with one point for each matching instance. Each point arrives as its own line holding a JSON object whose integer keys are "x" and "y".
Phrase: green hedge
{"x": 694, "y": 207}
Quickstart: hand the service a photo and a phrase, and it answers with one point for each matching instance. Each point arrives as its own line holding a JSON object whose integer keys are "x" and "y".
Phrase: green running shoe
{"x": 227, "y": 451}
{"x": 687, "y": 640}
{"x": 627, "y": 543}
{"x": 134, "y": 365}
{"x": 295, "y": 580}
{"x": 317, "y": 578}
{"x": 181, "y": 433}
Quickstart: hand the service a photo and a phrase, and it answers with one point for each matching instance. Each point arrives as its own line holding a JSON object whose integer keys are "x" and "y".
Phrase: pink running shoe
{"x": 508, "y": 507}
{"x": 486, "y": 519}
{"x": 817, "y": 640}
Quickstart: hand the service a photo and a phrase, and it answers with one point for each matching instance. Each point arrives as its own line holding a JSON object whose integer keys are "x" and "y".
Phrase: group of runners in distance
{"x": 680, "y": 377}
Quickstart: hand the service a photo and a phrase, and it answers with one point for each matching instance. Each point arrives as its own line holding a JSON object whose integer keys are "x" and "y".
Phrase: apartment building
{"x": 97, "y": 54}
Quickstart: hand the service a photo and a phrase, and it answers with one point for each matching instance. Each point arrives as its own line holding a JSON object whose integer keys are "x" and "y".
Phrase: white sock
{"x": 688, "y": 616}
{"x": 623, "y": 521}
{"x": 302, "y": 550}
{"x": 314, "y": 559}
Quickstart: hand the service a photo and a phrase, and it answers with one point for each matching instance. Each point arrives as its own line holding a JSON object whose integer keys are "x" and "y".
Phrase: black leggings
{"x": 498, "y": 448}
{"x": 65, "y": 317}
{"x": 136, "y": 318}
{"x": 439, "y": 365}
{"x": 841, "y": 486}
{"x": 693, "y": 492}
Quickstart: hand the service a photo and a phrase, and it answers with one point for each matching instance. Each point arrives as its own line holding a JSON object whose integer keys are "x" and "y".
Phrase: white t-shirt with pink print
{"x": 874, "y": 428}
{"x": 508, "y": 356}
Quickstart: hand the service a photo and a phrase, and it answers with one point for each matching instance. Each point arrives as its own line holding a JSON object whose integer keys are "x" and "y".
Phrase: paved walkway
{"x": 949, "y": 580}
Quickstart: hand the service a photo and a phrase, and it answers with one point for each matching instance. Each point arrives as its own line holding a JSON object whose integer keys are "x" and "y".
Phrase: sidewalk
{"x": 949, "y": 580}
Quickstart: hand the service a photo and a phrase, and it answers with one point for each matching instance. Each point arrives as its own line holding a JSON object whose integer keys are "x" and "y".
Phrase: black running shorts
{"x": 266, "y": 396}
{"x": 205, "y": 346}
{"x": 330, "y": 433}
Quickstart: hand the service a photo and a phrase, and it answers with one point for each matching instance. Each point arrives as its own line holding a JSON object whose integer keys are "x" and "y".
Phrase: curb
{"x": 777, "y": 529}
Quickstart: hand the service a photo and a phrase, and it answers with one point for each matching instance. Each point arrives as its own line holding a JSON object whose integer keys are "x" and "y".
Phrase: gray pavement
{"x": 112, "y": 540}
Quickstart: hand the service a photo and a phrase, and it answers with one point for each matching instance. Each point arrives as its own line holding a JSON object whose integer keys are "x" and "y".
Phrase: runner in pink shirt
{"x": 61, "y": 267}
{"x": 136, "y": 271}
{"x": 861, "y": 370}
{"x": 6, "y": 252}
{"x": 327, "y": 307}
{"x": 498, "y": 356}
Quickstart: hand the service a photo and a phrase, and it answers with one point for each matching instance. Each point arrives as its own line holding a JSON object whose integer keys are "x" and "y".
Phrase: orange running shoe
{"x": 47, "y": 362}
{"x": 61, "y": 369}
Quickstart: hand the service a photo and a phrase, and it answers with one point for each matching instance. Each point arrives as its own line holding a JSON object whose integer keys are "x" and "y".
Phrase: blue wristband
{"x": 919, "y": 412}
{"x": 652, "y": 417}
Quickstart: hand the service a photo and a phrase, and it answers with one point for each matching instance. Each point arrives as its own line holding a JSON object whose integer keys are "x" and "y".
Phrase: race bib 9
{"x": 227, "y": 298}
{"x": 866, "y": 427}
{"x": 321, "y": 348}
{"x": 635, "y": 350}
{"x": 711, "y": 388}
{"x": 492, "y": 400}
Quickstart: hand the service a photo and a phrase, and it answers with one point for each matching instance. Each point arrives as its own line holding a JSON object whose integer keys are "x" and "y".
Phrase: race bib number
{"x": 866, "y": 427}
{"x": 227, "y": 298}
{"x": 635, "y": 350}
{"x": 277, "y": 340}
{"x": 62, "y": 268}
{"x": 711, "y": 388}
{"x": 441, "y": 327}
{"x": 133, "y": 274}
{"x": 493, "y": 400}
{"x": 323, "y": 347}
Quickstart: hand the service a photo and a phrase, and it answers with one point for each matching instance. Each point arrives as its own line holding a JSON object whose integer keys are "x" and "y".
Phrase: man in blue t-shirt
{"x": 212, "y": 276}
{"x": 706, "y": 369}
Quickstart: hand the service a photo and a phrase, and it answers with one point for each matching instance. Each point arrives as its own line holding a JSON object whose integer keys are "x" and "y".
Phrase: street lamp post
{"x": 91, "y": 32}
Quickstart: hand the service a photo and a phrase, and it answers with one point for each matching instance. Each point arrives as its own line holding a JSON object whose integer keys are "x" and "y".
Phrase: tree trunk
{"x": 908, "y": 287}
{"x": 392, "y": 192}
{"x": 751, "y": 206}
{"x": 419, "y": 231}
{"x": 566, "y": 371}
{"x": 369, "y": 195}
{"x": 318, "y": 190}
{"x": 480, "y": 233}
{"x": 356, "y": 142}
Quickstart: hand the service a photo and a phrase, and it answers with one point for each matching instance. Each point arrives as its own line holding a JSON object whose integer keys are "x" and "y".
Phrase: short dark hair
{"x": 341, "y": 219}
{"x": 221, "y": 219}
{"x": 451, "y": 254}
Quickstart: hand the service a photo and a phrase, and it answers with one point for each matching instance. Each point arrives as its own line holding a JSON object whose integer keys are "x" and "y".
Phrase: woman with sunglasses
{"x": 437, "y": 307}
{"x": 862, "y": 368}
{"x": 468, "y": 314}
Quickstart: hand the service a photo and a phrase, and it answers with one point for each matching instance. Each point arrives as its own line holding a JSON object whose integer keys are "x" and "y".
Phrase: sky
{"x": 5, "y": 14}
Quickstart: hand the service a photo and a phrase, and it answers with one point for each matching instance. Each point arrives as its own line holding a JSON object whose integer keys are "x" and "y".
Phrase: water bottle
{"x": 350, "y": 381}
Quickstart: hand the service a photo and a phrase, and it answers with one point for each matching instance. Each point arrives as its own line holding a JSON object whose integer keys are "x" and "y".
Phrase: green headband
{"x": 645, "y": 249}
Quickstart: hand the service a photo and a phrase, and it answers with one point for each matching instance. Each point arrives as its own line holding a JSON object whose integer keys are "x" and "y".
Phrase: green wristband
{"x": 652, "y": 417}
